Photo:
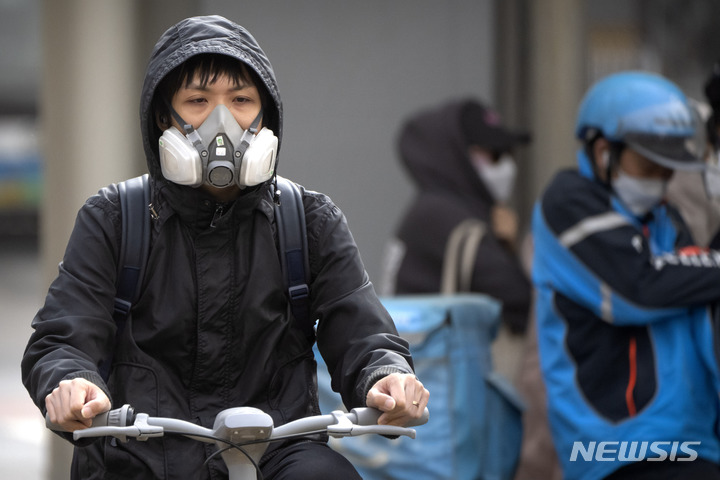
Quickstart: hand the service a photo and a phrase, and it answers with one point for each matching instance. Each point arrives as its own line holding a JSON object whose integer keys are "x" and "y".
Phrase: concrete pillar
{"x": 512, "y": 84}
{"x": 88, "y": 114}
{"x": 94, "y": 53}
{"x": 557, "y": 83}
{"x": 89, "y": 125}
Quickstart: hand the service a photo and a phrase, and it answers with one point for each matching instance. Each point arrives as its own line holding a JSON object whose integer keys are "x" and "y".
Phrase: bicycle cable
{"x": 238, "y": 446}
{"x": 230, "y": 444}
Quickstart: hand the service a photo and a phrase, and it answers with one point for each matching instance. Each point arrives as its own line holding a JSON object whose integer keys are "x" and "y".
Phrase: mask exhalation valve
{"x": 220, "y": 176}
{"x": 221, "y": 169}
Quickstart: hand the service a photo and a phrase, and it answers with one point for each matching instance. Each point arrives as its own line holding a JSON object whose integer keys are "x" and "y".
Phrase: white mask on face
{"x": 639, "y": 195}
{"x": 498, "y": 177}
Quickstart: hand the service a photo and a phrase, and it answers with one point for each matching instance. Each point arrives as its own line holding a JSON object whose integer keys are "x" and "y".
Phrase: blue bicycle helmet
{"x": 649, "y": 114}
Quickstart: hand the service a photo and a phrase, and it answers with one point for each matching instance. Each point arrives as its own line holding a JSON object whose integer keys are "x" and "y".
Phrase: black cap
{"x": 482, "y": 127}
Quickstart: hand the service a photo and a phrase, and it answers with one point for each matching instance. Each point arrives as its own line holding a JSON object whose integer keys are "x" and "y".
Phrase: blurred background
{"x": 349, "y": 73}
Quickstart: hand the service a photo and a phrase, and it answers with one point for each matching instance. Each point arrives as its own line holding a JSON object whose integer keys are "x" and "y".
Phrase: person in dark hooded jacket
{"x": 459, "y": 156}
{"x": 212, "y": 328}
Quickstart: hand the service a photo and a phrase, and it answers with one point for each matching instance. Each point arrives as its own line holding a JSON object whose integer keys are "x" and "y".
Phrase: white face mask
{"x": 639, "y": 195}
{"x": 499, "y": 177}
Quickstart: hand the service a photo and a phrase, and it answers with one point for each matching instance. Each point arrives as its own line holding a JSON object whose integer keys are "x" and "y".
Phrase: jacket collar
{"x": 199, "y": 210}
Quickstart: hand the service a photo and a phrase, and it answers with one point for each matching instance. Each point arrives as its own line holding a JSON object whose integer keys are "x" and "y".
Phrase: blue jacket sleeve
{"x": 624, "y": 271}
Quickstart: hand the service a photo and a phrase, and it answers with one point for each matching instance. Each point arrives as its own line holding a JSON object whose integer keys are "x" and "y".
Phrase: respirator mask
{"x": 219, "y": 153}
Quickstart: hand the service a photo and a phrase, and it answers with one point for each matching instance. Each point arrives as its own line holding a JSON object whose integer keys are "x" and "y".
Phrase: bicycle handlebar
{"x": 123, "y": 422}
{"x": 247, "y": 430}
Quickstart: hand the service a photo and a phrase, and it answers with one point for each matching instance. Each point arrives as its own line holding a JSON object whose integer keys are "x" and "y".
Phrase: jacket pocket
{"x": 137, "y": 385}
{"x": 293, "y": 388}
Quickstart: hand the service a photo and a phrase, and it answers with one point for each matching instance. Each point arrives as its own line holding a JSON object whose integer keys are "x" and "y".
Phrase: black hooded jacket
{"x": 212, "y": 328}
{"x": 433, "y": 150}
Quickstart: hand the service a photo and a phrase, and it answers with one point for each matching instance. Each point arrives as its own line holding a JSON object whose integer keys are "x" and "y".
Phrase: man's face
{"x": 630, "y": 162}
{"x": 639, "y": 166}
{"x": 194, "y": 103}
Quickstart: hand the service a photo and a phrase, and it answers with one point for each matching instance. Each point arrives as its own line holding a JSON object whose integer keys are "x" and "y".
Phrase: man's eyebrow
{"x": 199, "y": 86}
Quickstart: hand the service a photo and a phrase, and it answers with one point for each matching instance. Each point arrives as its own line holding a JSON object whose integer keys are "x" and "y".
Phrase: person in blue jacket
{"x": 624, "y": 331}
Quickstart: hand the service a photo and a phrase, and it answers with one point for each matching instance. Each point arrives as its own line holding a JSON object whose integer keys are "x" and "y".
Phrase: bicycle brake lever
{"x": 140, "y": 430}
{"x": 345, "y": 428}
{"x": 355, "y": 430}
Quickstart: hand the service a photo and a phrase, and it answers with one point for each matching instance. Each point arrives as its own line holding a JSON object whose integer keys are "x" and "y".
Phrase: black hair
{"x": 210, "y": 67}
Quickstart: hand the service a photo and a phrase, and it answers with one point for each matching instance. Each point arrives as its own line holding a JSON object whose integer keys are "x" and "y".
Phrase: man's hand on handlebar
{"x": 401, "y": 397}
{"x": 74, "y": 403}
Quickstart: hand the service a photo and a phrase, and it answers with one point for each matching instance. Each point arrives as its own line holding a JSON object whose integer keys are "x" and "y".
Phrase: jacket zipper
{"x": 219, "y": 210}
{"x": 632, "y": 377}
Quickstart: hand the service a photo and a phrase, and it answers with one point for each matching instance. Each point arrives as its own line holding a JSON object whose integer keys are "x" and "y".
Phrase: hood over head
{"x": 203, "y": 35}
{"x": 433, "y": 146}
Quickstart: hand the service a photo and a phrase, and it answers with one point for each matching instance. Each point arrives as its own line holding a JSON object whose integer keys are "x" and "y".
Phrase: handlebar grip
{"x": 118, "y": 417}
{"x": 102, "y": 431}
{"x": 100, "y": 420}
{"x": 369, "y": 416}
{"x": 420, "y": 421}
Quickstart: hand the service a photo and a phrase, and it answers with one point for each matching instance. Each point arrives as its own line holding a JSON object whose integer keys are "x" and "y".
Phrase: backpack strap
{"x": 292, "y": 236}
{"x": 461, "y": 252}
{"x": 134, "y": 197}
